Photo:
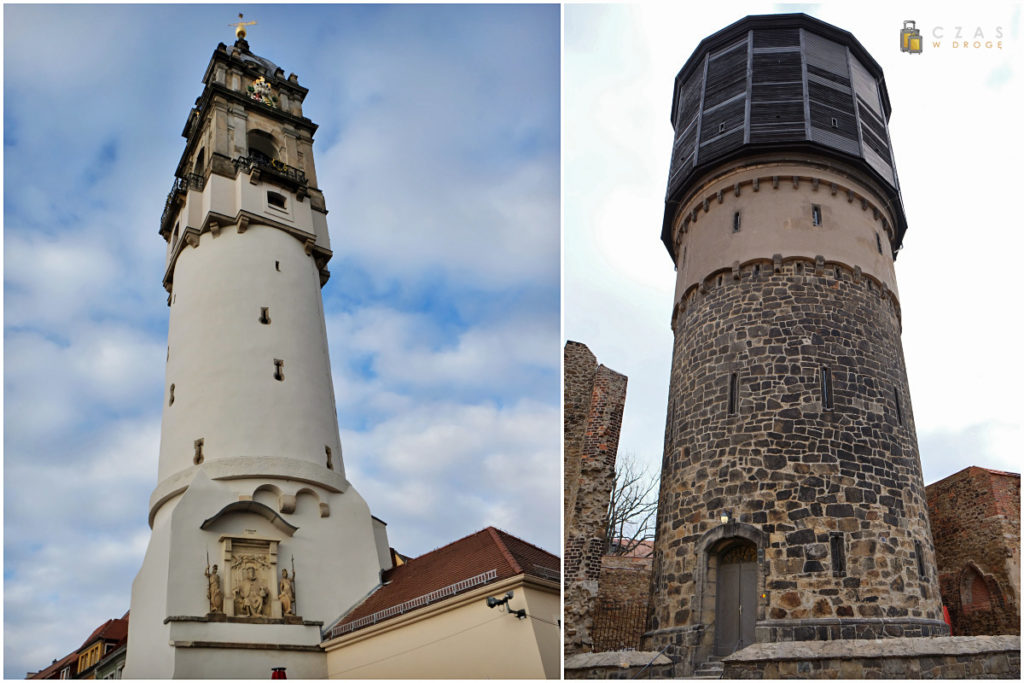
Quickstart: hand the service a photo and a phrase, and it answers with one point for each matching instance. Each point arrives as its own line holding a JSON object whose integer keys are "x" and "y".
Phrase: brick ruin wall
{"x": 594, "y": 398}
{"x": 833, "y": 498}
{"x": 623, "y": 598}
{"x": 975, "y": 518}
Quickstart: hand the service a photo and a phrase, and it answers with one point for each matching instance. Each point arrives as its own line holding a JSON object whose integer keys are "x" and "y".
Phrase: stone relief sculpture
{"x": 251, "y": 595}
{"x": 213, "y": 591}
{"x": 286, "y": 594}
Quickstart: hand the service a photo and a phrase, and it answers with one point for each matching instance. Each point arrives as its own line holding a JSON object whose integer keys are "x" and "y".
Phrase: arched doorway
{"x": 735, "y": 596}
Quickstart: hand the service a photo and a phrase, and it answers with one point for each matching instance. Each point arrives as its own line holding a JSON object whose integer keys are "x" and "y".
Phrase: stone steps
{"x": 709, "y": 670}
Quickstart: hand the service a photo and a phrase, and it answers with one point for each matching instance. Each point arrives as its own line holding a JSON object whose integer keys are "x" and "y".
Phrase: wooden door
{"x": 736, "y": 602}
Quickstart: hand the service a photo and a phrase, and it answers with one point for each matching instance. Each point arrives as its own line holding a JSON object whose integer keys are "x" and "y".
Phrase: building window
{"x": 826, "y": 389}
{"x": 835, "y": 122}
{"x": 920, "y": 560}
{"x": 899, "y": 408}
{"x": 721, "y": 128}
{"x": 279, "y": 370}
{"x": 197, "y": 457}
{"x": 838, "y": 550}
{"x": 878, "y": 242}
{"x": 265, "y": 316}
{"x": 262, "y": 146}
{"x": 275, "y": 199}
{"x": 815, "y": 214}
{"x": 170, "y": 400}
{"x": 736, "y": 222}
{"x": 733, "y": 393}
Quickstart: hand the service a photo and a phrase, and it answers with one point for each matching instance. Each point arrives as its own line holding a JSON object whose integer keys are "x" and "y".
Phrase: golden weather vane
{"x": 240, "y": 26}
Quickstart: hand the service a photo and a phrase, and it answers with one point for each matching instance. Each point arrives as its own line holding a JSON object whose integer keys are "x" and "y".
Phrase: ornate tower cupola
{"x": 792, "y": 504}
{"x": 258, "y": 538}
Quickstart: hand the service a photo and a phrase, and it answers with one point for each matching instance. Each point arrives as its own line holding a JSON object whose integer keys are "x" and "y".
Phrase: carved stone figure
{"x": 213, "y": 591}
{"x": 252, "y": 594}
{"x": 287, "y": 594}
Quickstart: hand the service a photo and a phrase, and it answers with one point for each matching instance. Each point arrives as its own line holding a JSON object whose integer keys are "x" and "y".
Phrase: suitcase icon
{"x": 910, "y": 38}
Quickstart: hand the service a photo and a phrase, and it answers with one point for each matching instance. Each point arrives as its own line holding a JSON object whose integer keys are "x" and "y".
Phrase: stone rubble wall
{"x": 899, "y": 658}
{"x": 975, "y": 518}
{"x": 594, "y": 399}
{"x": 798, "y": 479}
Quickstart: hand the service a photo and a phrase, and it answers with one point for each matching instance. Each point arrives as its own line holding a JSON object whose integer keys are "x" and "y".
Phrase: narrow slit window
{"x": 815, "y": 214}
{"x": 838, "y": 551}
{"x": 265, "y": 316}
{"x": 733, "y": 391}
{"x": 736, "y": 222}
{"x": 920, "y": 560}
{"x": 826, "y": 389}
{"x": 198, "y": 446}
{"x": 835, "y": 122}
{"x": 277, "y": 266}
{"x": 327, "y": 450}
{"x": 899, "y": 408}
{"x": 279, "y": 370}
{"x": 170, "y": 400}
{"x": 275, "y": 199}
{"x": 721, "y": 128}
{"x": 878, "y": 242}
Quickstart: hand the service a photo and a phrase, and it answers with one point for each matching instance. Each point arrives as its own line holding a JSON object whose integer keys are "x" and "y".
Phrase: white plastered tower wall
{"x": 250, "y": 455}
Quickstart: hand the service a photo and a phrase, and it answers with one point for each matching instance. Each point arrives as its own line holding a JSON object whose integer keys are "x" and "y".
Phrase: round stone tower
{"x": 792, "y": 504}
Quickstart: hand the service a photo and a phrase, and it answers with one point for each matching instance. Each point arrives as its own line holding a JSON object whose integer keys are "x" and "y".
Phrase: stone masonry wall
{"x": 625, "y": 579}
{"x": 833, "y": 498}
{"x": 982, "y": 657}
{"x": 623, "y": 598}
{"x": 594, "y": 398}
{"x": 975, "y": 518}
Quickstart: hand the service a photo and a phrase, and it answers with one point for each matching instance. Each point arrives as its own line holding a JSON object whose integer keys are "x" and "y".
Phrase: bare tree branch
{"x": 632, "y": 507}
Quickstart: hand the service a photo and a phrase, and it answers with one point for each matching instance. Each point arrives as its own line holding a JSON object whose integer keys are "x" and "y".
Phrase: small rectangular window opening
{"x": 899, "y": 408}
{"x": 736, "y": 222}
{"x": 277, "y": 266}
{"x": 275, "y": 199}
{"x": 721, "y": 128}
{"x": 733, "y": 391}
{"x": 878, "y": 242}
{"x": 815, "y": 214}
{"x": 838, "y": 551}
{"x": 327, "y": 450}
{"x": 198, "y": 446}
{"x": 920, "y": 559}
{"x": 265, "y": 316}
{"x": 826, "y": 389}
{"x": 279, "y": 370}
{"x": 170, "y": 401}
{"x": 835, "y": 122}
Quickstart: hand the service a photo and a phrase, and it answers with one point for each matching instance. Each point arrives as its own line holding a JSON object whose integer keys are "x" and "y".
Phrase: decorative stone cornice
{"x": 243, "y": 219}
{"x": 810, "y": 267}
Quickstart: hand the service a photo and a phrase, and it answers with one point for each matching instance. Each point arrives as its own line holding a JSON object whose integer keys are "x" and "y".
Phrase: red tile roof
{"x": 53, "y": 671}
{"x": 114, "y": 629}
{"x": 464, "y": 559}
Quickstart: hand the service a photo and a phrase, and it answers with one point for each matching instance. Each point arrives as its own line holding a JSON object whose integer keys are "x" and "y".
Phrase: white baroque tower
{"x": 251, "y": 477}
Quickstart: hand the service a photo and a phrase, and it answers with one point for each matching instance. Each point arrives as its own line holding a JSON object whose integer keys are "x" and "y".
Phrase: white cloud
{"x": 465, "y": 465}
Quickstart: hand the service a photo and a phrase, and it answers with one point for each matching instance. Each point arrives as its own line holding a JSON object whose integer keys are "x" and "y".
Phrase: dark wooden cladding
{"x": 778, "y": 82}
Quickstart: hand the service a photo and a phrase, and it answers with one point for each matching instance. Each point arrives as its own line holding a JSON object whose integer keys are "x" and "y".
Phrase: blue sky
{"x": 957, "y": 146}
{"x": 438, "y": 154}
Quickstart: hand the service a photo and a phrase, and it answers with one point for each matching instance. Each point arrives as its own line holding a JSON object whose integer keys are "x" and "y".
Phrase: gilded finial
{"x": 240, "y": 27}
